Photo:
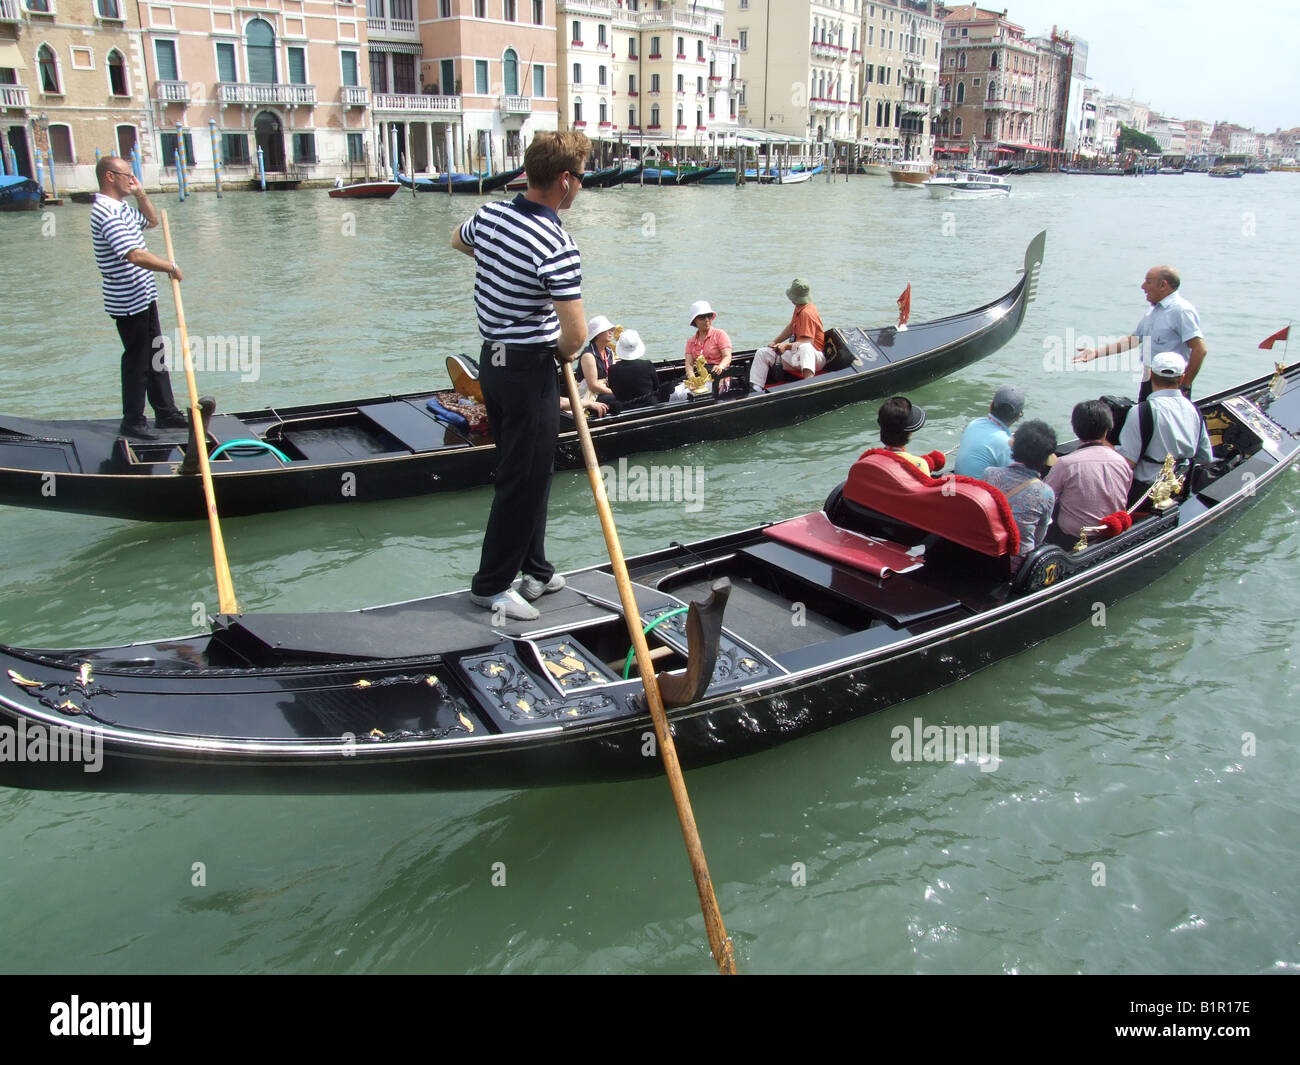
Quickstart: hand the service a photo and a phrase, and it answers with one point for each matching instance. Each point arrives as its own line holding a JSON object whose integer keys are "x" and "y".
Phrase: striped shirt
{"x": 526, "y": 263}
{"x": 115, "y": 229}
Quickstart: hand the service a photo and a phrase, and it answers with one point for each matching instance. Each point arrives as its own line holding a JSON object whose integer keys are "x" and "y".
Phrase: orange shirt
{"x": 715, "y": 342}
{"x": 808, "y": 323}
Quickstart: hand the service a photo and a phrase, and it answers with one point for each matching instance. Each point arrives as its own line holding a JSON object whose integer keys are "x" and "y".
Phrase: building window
{"x": 234, "y": 149}
{"x": 297, "y": 65}
{"x": 356, "y": 147}
{"x": 956, "y": 127}
{"x": 577, "y": 73}
{"x": 510, "y": 11}
{"x": 510, "y": 71}
{"x": 744, "y": 40}
{"x": 680, "y": 119}
{"x": 654, "y": 117}
{"x": 577, "y": 32}
{"x": 631, "y": 83}
{"x": 699, "y": 117}
{"x": 631, "y": 48}
{"x": 404, "y": 74}
{"x": 993, "y": 61}
{"x": 681, "y": 83}
{"x": 304, "y": 147}
{"x": 226, "y": 69}
{"x": 654, "y": 82}
{"x": 699, "y": 49}
{"x": 109, "y": 9}
{"x": 654, "y": 48}
{"x": 378, "y": 72}
{"x": 481, "y": 76}
{"x": 601, "y": 37}
{"x": 604, "y": 113}
{"x": 681, "y": 50}
{"x": 539, "y": 13}
{"x": 49, "y": 69}
{"x": 126, "y": 140}
{"x": 539, "y": 80}
{"x": 39, "y": 6}
{"x": 480, "y": 8}
{"x": 988, "y": 127}
{"x": 260, "y": 39}
{"x": 61, "y": 144}
{"x": 577, "y": 111}
{"x": 350, "y": 68}
{"x": 117, "y": 74}
{"x": 444, "y": 8}
{"x": 600, "y": 76}
{"x": 631, "y": 118}
{"x": 961, "y": 92}
{"x": 169, "y": 149}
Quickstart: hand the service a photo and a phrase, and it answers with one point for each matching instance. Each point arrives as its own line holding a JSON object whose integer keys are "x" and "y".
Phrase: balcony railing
{"x": 10, "y": 11}
{"x": 171, "y": 92}
{"x": 354, "y": 96}
{"x": 826, "y": 50}
{"x": 258, "y": 94}
{"x": 516, "y": 105}
{"x": 585, "y": 7}
{"x": 392, "y": 27}
{"x": 14, "y": 98}
{"x": 417, "y": 103}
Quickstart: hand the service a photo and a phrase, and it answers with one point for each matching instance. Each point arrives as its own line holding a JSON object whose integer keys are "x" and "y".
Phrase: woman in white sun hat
{"x": 713, "y": 344}
{"x": 597, "y": 358}
{"x": 633, "y": 377}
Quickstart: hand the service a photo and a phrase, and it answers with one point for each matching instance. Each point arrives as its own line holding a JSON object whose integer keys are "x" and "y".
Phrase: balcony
{"x": 257, "y": 95}
{"x": 14, "y": 98}
{"x": 600, "y": 8}
{"x": 393, "y": 27}
{"x": 736, "y": 85}
{"x": 516, "y": 105}
{"x": 171, "y": 92}
{"x": 417, "y": 103}
{"x": 354, "y": 96}
{"x": 10, "y": 11}
{"x": 826, "y": 50}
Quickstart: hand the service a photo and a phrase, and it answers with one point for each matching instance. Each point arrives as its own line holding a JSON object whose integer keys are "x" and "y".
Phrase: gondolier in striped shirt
{"x": 130, "y": 295}
{"x": 528, "y": 295}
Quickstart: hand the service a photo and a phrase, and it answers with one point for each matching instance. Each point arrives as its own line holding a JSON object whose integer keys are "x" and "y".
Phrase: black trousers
{"x": 523, "y": 408}
{"x": 142, "y": 377}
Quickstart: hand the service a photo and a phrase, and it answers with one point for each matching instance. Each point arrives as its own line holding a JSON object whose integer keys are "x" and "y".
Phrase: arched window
{"x": 961, "y": 60}
{"x": 604, "y": 113}
{"x": 961, "y": 92}
{"x": 577, "y": 111}
{"x": 993, "y": 61}
{"x": 117, "y": 83}
{"x": 260, "y": 40}
{"x": 510, "y": 72}
{"x": 993, "y": 88}
{"x": 49, "y": 70}
{"x": 956, "y": 127}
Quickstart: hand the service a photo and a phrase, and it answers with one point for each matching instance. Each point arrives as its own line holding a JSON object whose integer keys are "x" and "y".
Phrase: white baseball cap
{"x": 1168, "y": 364}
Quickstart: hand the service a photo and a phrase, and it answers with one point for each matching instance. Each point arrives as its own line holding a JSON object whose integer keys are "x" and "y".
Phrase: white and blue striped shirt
{"x": 526, "y": 263}
{"x": 115, "y": 229}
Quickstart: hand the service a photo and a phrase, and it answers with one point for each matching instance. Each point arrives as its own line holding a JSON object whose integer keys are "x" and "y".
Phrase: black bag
{"x": 1119, "y": 408}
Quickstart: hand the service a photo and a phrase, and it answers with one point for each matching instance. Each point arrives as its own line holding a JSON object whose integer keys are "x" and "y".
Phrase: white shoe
{"x": 531, "y": 588}
{"x": 506, "y": 604}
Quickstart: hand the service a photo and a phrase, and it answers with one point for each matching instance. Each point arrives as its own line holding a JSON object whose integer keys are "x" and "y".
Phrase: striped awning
{"x": 394, "y": 46}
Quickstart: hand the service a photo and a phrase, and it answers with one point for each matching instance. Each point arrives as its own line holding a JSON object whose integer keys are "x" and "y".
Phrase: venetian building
{"x": 72, "y": 83}
{"x": 900, "y": 46}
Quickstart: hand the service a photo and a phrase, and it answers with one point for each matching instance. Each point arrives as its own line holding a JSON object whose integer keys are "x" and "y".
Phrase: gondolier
{"x": 528, "y": 295}
{"x": 130, "y": 295}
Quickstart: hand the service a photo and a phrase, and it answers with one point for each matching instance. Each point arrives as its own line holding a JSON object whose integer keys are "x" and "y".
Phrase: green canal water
{"x": 1143, "y": 815}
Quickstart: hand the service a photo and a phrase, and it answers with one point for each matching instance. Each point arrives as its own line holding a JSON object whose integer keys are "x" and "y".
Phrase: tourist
{"x": 1171, "y": 324}
{"x": 713, "y": 344}
{"x": 898, "y": 419}
{"x": 799, "y": 347}
{"x": 528, "y": 297}
{"x": 1090, "y": 482}
{"x": 987, "y": 440}
{"x": 131, "y": 296}
{"x": 1031, "y": 500}
{"x": 1176, "y": 426}
{"x": 633, "y": 378}
{"x": 597, "y": 358}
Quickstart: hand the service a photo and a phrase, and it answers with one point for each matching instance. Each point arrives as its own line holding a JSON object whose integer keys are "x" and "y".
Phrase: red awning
{"x": 1006, "y": 151}
{"x": 1029, "y": 148}
{"x": 960, "y": 151}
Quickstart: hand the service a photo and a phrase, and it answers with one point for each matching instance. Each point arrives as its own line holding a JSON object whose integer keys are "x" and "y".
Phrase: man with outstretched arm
{"x": 131, "y": 296}
{"x": 1171, "y": 324}
{"x": 528, "y": 297}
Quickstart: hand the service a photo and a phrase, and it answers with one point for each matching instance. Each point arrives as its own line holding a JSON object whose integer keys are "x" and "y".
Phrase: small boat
{"x": 910, "y": 175}
{"x": 1171, "y": 170}
{"x": 787, "y": 177}
{"x": 676, "y": 177}
{"x": 274, "y": 184}
{"x": 18, "y": 193}
{"x": 902, "y": 584}
{"x": 602, "y": 179}
{"x": 393, "y": 446}
{"x": 467, "y": 184}
{"x": 1227, "y": 171}
{"x": 366, "y": 190}
{"x": 966, "y": 184}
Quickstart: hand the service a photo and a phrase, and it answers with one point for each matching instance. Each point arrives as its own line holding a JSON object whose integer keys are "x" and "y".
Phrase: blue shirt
{"x": 1169, "y": 324}
{"x": 1032, "y": 503}
{"x": 986, "y": 442}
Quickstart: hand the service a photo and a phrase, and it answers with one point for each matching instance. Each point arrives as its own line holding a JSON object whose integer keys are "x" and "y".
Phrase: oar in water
{"x": 198, "y": 434}
{"x": 721, "y": 946}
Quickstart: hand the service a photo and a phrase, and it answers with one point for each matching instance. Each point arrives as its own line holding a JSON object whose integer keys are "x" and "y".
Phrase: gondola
{"x": 18, "y": 193}
{"x": 660, "y": 176}
{"x": 901, "y": 582}
{"x": 366, "y": 190}
{"x": 468, "y": 184}
{"x": 392, "y": 446}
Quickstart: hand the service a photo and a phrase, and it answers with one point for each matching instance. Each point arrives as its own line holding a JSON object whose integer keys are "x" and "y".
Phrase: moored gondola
{"x": 902, "y": 586}
{"x": 392, "y": 446}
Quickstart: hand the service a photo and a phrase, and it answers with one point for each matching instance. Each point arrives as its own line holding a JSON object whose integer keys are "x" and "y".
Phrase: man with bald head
{"x": 1171, "y": 324}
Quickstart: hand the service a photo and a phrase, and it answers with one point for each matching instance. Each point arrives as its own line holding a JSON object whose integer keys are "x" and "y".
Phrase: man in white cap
{"x": 1176, "y": 426}
{"x": 800, "y": 345}
{"x": 1171, "y": 324}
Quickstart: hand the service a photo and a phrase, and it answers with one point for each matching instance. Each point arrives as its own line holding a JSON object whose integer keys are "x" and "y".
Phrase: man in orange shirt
{"x": 799, "y": 347}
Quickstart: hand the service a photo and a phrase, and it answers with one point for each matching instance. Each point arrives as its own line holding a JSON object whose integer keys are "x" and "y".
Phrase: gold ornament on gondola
{"x": 1167, "y": 486}
{"x": 699, "y": 379}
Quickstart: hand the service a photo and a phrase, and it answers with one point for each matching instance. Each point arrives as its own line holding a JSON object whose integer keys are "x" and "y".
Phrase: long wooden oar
{"x": 198, "y": 433}
{"x": 719, "y": 943}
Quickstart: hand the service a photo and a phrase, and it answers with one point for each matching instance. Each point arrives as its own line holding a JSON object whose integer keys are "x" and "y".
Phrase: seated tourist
{"x": 594, "y": 407}
{"x": 1090, "y": 482}
{"x": 987, "y": 441}
{"x": 633, "y": 379}
{"x": 1177, "y": 427}
{"x": 1022, "y": 483}
{"x": 597, "y": 357}
{"x": 713, "y": 344}
{"x": 898, "y": 419}
{"x": 801, "y": 345}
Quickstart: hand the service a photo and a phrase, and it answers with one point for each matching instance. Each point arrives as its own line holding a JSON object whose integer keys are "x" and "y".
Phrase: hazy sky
{"x": 1200, "y": 59}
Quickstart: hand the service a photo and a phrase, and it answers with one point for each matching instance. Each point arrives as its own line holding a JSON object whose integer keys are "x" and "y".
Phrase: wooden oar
{"x": 719, "y": 943}
{"x": 225, "y": 586}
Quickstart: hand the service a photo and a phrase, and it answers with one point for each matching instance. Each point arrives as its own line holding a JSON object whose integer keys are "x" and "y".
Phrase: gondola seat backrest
{"x": 958, "y": 509}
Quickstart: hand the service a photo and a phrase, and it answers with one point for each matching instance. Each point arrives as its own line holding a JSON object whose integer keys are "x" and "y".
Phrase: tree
{"x": 1132, "y": 140}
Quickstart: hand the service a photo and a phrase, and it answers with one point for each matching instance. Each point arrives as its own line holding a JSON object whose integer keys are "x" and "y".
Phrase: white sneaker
{"x": 531, "y": 588}
{"x": 504, "y": 605}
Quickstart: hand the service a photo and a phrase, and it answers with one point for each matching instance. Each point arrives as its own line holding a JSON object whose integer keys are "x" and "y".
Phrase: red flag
{"x": 905, "y": 305}
{"x": 1281, "y": 334}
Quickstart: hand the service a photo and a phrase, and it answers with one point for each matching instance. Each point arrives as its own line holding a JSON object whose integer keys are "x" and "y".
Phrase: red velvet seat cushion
{"x": 815, "y": 533}
{"x": 961, "y": 509}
